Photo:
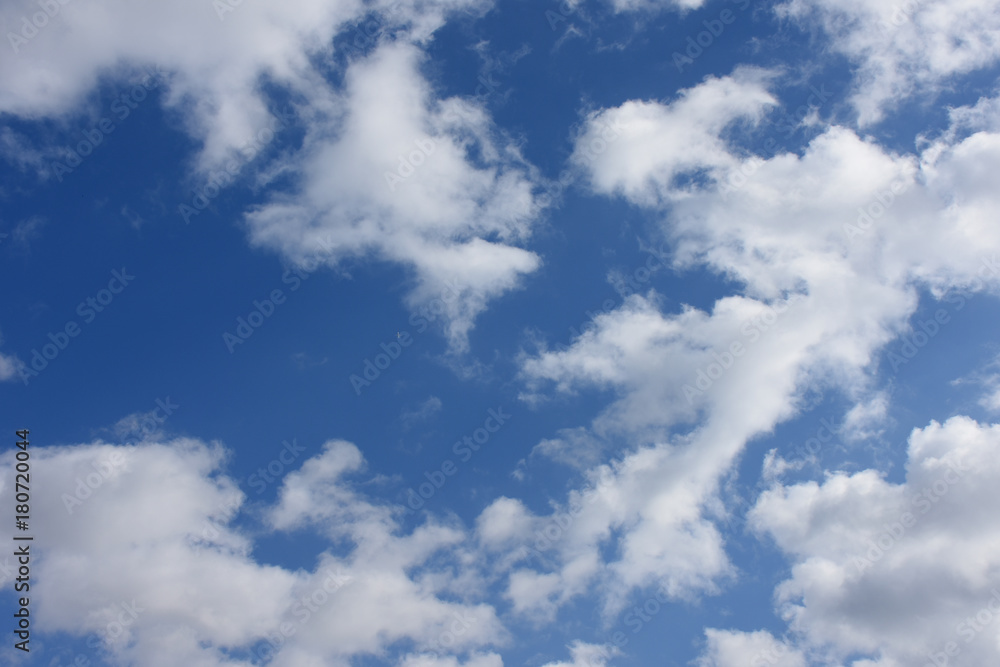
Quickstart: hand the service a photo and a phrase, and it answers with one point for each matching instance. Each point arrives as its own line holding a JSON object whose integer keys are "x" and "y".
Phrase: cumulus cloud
{"x": 214, "y": 73}
{"x": 153, "y": 527}
{"x": 387, "y": 171}
{"x": 858, "y": 542}
{"x": 726, "y": 648}
{"x": 830, "y": 251}
{"x": 92, "y": 512}
{"x": 503, "y": 521}
{"x": 585, "y": 655}
{"x": 477, "y": 660}
{"x": 640, "y": 148}
{"x": 904, "y": 49}
{"x": 397, "y": 180}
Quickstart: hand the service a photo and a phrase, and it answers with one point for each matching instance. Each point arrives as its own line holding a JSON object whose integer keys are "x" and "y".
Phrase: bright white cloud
{"x": 904, "y": 48}
{"x": 384, "y": 602}
{"x": 858, "y": 542}
{"x": 653, "y": 5}
{"x": 504, "y": 521}
{"x": 152, "y": 527}
{"x": 396, "y": 179}
{"x": 477, "y": 660}
{"x": 830, "y": 249}
{"x": 147, "y": 527}
{"x": 747, "y": 649}
{"x": 639, "y": 148}
{"x": 214, "y": 59}
{"x": 388, "y": 170}
{"x": 585, "y": 655}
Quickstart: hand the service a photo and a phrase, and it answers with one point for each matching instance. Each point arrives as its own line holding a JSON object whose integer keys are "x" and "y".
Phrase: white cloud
{"x": 8, "y": 367}
{"x": 727, "y": 648}
{"x": 905, "y": 48}
{"x": 152, "y": 527}
{"x": 653, "y": 5}
{"x": 988, "y": 378}
{"x": 477, "y": 660}
{"x": 456, "y": 223}
{"x": 395, "y": 178}
{"x": 423, "y": 412}
{"x": 575, "y": 447}
{"x": 858, "y": 543}
{"x": 585, "y": 655}
{"x": 384, "y": 602}
{"x": 503, "y": 521}
{"x": 863, "y": 420}
{"x": 17, "y": 150}
{"x": 820, "y": 296}
{"x": 213, "y": 73}
{"x": 147, "y": 524}
{"x": 639, "y": 148}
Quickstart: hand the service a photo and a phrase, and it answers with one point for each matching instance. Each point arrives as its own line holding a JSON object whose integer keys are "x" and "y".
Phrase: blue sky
{"x": 460, "y": 333}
